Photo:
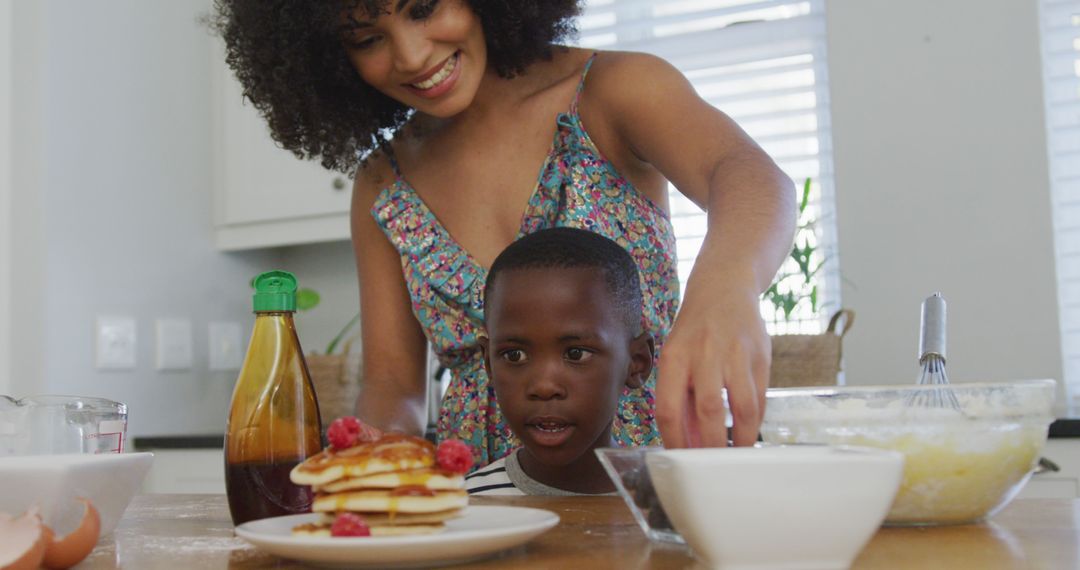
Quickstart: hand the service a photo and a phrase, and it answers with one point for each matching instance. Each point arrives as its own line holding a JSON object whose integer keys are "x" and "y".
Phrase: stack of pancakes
{"x": 393, "y": 483}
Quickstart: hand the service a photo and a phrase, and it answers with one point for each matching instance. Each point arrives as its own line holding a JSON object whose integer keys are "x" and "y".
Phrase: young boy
{"x": 563, "y": 314}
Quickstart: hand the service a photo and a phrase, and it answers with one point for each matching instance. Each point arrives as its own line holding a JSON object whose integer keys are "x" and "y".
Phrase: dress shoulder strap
{"x": 581, "y": 83}
{"x": 388, "y": 150}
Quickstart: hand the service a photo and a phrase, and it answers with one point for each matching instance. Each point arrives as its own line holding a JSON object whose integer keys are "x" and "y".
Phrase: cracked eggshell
{"x": 23, "y": 542}
{"x": 72, "y": 548}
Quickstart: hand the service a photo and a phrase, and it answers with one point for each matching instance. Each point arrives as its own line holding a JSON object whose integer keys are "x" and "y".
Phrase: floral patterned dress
{"x": 577, "y": 188}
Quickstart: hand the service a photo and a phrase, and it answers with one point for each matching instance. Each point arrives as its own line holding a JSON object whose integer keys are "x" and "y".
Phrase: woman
{"x": 455, "y": 106}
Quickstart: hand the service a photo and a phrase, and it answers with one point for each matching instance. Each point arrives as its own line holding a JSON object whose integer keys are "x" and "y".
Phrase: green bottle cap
{"x": 275, "y": 291}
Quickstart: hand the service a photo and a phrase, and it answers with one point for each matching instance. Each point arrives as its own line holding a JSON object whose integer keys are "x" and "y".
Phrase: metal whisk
{"x": 932, "y": 357}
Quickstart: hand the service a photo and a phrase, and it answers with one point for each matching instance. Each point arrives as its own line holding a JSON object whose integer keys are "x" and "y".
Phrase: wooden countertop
{"x": 194, "y": 531}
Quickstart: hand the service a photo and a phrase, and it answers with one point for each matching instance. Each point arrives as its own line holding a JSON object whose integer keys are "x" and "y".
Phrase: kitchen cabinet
{"x": 1064, "y": 484}
{"x": 263, "y": 195}
{"x": 186, "y": 471}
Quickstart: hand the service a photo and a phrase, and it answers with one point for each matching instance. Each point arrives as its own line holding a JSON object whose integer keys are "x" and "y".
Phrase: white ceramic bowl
{"x": 52, "y": 482}
{"x": 776, "y": 506}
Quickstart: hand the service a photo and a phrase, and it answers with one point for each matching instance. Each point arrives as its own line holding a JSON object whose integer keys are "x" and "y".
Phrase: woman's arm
{"x": 718, "y": 339}
{"x": 395, "y": 350}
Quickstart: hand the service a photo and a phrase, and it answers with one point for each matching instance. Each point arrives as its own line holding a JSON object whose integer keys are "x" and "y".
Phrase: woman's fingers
{"x": 761, "y": 368}
{"x": 673, "y": 398}
{"x": 745, "y": 410}
{"x": 693, "y": 427}
{"x": 710, "y": 410}
{"x": 746, "y": 388}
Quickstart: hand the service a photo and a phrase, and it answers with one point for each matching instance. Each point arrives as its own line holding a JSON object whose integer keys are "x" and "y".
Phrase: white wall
{"x": 942, "y": 185}
{"x": 5, "y": 195}
{"x": 27, "y": 244}
{"x": 113, "y": 203}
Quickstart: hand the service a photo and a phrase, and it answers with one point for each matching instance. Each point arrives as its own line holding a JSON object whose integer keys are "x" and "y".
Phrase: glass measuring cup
{"x": 54, "y": 424}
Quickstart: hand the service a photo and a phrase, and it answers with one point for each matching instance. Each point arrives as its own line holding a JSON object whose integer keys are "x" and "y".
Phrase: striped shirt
{"x": 506, "y": 477}
{"x": 492, "y": 479}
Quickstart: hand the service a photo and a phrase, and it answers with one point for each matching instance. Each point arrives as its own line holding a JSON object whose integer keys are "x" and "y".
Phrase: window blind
{"x": 1060, "y": 25}
{"x": 762, "y": 62}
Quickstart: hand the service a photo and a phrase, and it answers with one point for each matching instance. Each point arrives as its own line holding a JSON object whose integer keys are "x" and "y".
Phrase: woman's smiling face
{"x": 427, "y": 54}
{"x": 559, "y": 354}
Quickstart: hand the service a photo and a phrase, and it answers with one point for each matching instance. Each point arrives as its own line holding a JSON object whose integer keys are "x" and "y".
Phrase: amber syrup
{"x": 263, "y": 490}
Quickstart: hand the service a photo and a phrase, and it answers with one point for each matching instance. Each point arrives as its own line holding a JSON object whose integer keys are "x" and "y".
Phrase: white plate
{"x": 478, "y": 532}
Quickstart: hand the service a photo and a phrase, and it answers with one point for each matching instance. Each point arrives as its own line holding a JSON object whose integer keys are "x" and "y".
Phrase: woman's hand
{"x": 716, "y": 343}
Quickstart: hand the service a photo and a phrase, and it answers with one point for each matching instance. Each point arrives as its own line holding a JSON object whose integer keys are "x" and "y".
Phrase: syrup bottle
{"x": 273, "y": 421}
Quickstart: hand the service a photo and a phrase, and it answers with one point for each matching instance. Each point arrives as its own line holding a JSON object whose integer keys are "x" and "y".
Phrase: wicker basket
{"x": 810, "y": 359}
{"x": 337, "y": 382}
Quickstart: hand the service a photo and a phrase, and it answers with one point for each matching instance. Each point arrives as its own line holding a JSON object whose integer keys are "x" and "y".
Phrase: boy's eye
{"x": 422, "y": 9}
{"x": 578, "y": 354}
{"x": 514, "y": 356}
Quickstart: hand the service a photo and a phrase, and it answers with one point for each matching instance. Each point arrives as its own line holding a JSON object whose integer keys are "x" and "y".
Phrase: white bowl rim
{"x": 885, "y": 388}
{"x": 65, "y": 459}
{"x": 781, "y": 453}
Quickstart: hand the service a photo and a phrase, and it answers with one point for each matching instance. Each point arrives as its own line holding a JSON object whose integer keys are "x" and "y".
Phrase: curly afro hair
{"x": 292, "y": 66}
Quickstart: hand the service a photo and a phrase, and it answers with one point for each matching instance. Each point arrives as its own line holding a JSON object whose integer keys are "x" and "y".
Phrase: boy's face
{"x": 559, "y": 354}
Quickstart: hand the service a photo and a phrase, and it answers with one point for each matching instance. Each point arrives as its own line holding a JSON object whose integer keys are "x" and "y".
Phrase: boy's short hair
{"x": 572, "y": 248}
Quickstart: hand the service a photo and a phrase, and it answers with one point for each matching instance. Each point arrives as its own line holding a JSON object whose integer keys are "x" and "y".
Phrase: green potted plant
{"x": 336, "y": 376}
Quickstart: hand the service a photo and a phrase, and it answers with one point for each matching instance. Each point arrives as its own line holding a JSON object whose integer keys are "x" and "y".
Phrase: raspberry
{"x": 343, "y": 432}
{"x": 454, "y": 456}
{"x": 347, "y": 431}
{"x": 349, "y": 524}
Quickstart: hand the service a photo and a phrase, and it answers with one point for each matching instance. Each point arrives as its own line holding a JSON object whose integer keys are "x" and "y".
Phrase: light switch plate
{"x": 226, "y": 352}
{"x": 116, "y": 343}
{"x": 173, "y": 344}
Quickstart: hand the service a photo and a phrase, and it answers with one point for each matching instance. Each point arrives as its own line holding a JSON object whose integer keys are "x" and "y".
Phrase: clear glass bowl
{"x": 962, "y": 464}
{"x": 627, "y": 469}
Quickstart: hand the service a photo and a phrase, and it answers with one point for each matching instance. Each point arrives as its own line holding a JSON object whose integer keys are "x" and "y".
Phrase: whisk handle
{"x": 932, "y": 327}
